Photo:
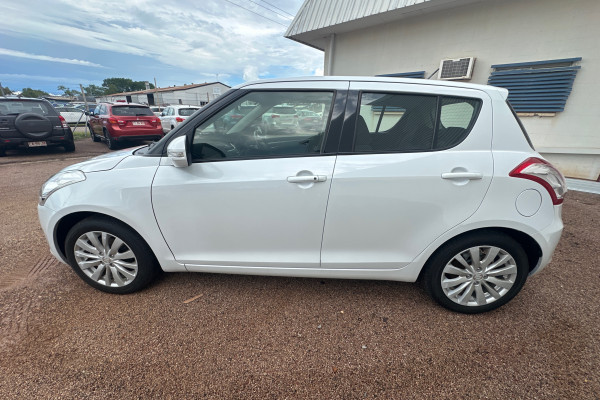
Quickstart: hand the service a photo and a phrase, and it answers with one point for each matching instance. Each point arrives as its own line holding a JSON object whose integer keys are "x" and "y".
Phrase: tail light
{"x": 112, "y": 120}
{"x": 178, "y": 119}
{"x": 274, "y": 115}
{"x": 544, "y": 173}
{"x": 117, "y": 121}
{"x": 63, "y": 121}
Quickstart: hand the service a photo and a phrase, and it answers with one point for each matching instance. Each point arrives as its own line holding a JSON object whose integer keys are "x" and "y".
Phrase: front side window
{"x": 412, "y": 122}
{"x": 264, "y": 124}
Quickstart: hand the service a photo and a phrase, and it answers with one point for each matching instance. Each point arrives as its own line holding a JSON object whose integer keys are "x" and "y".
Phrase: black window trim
{"x": 351, "y": 131}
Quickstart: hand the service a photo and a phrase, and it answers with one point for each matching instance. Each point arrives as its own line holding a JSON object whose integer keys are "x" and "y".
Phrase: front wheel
{"x": 109, "y": 256}
{"x": 477, "y": 273}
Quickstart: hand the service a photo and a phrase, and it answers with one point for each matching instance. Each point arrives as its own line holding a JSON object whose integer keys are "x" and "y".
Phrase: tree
{"x": 120, "y": 85}
{"x": 67, "y": 92}
{"x": 93, "y": 90}
{"x": 5, "y": 91}
{"x": 29, "y": 92}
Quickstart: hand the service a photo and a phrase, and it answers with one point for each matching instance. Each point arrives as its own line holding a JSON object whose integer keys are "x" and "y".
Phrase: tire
{"x": 110, "y": 142}
{"x": 69, "y": 147}
{"x": 468, "y": 287}
{"x": 92, "y": 134}
{"x": 132, "y": 265}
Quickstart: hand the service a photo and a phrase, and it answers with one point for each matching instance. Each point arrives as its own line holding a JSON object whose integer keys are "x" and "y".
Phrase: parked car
{"x": 26, "y": 122}
{"x": 174, "y": 115}
{"x": 118, "y": 122}
{"x": 72, "y": 115}
{"x": 157, "y": 110}
{"x": 449, "y": 191}
{"x": 90, "y": 107}
{"x": 281, "y": 117}
{"x": 310, "y": 120}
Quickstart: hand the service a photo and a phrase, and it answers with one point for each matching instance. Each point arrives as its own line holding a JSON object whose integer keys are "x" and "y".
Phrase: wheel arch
{"x": 529, "y": 245}
{"x": 68, "y": 221}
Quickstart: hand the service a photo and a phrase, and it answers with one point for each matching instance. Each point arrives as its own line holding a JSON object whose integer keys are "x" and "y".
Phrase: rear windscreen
{"x": 284, "y": 110}
{"x": 131, "y": 111}
{"x": 19, "y": 107}
{"x": 186, "y": 112}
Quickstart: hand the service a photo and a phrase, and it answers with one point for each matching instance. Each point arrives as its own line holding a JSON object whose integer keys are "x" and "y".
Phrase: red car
{"x": 121, "y": 122}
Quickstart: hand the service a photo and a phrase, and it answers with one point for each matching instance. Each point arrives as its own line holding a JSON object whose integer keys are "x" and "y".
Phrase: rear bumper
{"x": 14, "y": 142}
{"x": 139, "y": 137}
{"x": 548, "y": 239}
{"x": 119, "y": 135}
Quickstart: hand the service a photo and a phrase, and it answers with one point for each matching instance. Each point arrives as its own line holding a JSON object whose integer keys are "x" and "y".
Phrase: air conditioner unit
{"x": 461, "y": 68}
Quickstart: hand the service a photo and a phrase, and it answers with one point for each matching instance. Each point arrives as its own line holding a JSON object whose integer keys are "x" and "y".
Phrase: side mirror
{"x": 177, "y": 152}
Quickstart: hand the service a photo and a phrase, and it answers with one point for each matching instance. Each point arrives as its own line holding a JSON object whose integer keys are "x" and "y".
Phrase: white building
{"x": 546, "y": 52}
{"x": 197, "y": 94}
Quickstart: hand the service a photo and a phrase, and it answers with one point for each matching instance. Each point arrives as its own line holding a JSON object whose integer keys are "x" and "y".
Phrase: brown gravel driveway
{"x": 247, "y": 337}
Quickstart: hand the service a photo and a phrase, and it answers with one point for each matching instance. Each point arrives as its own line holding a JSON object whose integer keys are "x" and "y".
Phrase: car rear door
{"x": 250, "y": 199}
{"x": 414, "y": 161}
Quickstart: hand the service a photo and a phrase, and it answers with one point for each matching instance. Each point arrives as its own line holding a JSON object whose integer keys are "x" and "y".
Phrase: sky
{"x": 47, "y": 43}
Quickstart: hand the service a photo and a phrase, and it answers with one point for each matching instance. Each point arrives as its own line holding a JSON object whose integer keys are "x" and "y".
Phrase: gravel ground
{"x": 245, "y": 337}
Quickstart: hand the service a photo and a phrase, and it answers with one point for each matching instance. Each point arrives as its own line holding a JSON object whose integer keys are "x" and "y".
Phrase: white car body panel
{"x": 169, "y": 122}
{"x": 72, "y": 117}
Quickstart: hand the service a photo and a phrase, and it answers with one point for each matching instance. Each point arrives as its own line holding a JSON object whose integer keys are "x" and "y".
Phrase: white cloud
{"x": 250, "y": 73}
{"x": 21, "y": 54}
{"x": 208, "y": 37}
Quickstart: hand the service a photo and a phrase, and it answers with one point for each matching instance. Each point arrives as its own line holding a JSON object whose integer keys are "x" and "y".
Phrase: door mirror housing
{"x": 177, "y": 152}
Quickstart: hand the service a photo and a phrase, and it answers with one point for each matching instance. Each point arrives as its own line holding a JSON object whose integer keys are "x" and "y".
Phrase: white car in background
{"x": 174, "y": 115}
{"x": 72, "y": 115}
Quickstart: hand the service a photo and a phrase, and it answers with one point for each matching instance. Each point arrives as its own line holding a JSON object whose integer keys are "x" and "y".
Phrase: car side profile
{"x": 118, "y": 123}
{"x": 407, "y": 180}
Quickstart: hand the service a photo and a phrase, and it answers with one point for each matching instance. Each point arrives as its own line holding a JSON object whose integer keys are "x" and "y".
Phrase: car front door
{"x": 417, "y": 163}
{"x": 250, "y": 199}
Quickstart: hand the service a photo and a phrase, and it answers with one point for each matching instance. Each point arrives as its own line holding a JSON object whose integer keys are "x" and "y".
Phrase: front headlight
{"x": 58, "y": 181}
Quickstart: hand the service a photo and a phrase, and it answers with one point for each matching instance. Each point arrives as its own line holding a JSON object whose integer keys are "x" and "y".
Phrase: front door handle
{"x": 306, "y": 178}
{"x": 462, "y": 175}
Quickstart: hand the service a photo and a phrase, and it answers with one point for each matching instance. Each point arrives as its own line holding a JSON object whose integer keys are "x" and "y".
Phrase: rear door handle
{"x": 462, "y": 175}
{"x": 306, "y": 178}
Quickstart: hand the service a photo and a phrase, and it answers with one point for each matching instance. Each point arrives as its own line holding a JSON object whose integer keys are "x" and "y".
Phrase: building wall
{"x": 498, "y": 32}
{"x": 193, "y": 96}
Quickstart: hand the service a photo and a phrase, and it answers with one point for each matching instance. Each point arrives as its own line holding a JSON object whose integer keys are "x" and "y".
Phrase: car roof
{"x": 16, "y": 98}
{"x": 183, "y": 106}
{"x": 384, "y": 79}
{"x": 127, "y": 104}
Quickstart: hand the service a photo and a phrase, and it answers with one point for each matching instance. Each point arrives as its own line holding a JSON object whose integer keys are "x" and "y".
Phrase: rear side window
{"x": 413, "y": 122}
{"x": 131, "y": 111}
{"x": 186, "y": 112}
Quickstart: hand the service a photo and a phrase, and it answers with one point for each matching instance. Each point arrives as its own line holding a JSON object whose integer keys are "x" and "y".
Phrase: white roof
{"x": 318, "y": 19}
{"x": 485, "y": 88}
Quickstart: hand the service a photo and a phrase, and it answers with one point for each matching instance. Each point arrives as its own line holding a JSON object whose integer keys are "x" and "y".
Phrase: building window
{"x": 537, "y": 86}
{"x": 416, "y": 74}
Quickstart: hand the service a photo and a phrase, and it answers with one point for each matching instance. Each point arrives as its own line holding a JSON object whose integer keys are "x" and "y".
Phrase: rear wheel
{"x": 110, "y": 256}
{"x": 477, "y": 273}
{"x": 110, "y": 142}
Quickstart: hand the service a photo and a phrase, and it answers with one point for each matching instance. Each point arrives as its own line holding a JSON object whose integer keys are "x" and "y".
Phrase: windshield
{"x": 131, "y": 111}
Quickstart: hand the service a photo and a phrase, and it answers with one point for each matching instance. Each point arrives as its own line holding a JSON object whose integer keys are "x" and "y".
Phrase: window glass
{"x": 131, "y": 111}
{"x": 264, "y": 124}
{"x": 20, "y": 107}
{"x": 395, "y": 122}
{"x": 408, "y": 122}
{"x": 456, "y": 117}
{"x": 186, "y": 112}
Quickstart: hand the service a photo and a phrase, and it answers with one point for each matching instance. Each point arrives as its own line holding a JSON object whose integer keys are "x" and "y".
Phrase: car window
{"x": 411, "y": 122}
{"x": 186, "y": 112}
{"x": 20, "y": 107}
{"x": 263, "y": 124}
{"x": 131, "y": 111}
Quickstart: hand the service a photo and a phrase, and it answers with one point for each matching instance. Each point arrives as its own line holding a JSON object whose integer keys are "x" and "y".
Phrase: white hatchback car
{"x": 408, "y": 179}
{"x": 172, "y": 116}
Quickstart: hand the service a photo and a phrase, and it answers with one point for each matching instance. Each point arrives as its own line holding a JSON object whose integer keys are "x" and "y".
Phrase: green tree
{"x": 68, "y": 92}
{"x": 120, "y": 85}
{"x": 93, "y": 90}
{"x": 6, "y": 91}
{"x": 29, "y": 92}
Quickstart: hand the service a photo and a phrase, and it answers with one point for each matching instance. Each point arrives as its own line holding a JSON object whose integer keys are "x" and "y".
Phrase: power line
{"x": 268, "y": 9}
{"x": 260, "y": 15}
{"x": 278, "y": 8}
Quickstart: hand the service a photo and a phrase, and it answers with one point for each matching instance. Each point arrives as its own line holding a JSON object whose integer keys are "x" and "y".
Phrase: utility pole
{"x": 86, "y": 108}
{"x": 2, "y": 90}
{"x": 158, "y": 103}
